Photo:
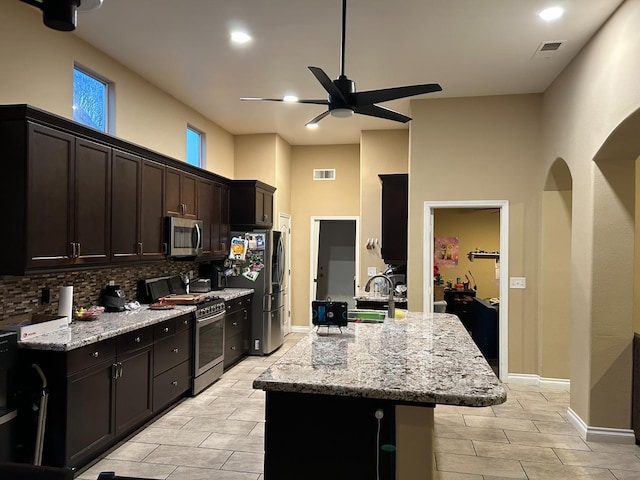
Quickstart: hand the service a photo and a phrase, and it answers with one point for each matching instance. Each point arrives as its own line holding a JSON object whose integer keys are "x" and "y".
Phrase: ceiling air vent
{"x": 328, "y": 174}
{"x": 547, "y": 49}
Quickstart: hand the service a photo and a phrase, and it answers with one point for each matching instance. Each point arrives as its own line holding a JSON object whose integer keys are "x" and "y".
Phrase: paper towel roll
{"x": 65, "y": 305}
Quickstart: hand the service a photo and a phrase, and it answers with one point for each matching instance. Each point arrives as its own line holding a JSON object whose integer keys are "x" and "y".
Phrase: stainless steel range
{"x": 208, "y": 350}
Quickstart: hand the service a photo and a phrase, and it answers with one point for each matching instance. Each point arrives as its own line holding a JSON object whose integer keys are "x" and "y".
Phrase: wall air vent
{"x": 327, "y": 174}
{"x": 547, "y": 49}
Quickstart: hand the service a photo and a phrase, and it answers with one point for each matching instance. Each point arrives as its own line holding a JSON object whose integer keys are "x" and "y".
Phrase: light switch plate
{"x": 517, "y": 282}
{"x": 371, "y": 271}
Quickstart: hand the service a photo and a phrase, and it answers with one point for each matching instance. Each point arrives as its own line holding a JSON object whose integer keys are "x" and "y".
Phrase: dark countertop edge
{"x": 414, "y": 398}
{"x": 33, "y": 344}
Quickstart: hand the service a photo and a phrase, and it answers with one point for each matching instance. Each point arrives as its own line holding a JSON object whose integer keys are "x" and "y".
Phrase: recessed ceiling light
{"x": 312, "y": 126}
{"x": 552, "y": 13}
{"x": 240, "y": 37}
{"x": 290, "y": 98}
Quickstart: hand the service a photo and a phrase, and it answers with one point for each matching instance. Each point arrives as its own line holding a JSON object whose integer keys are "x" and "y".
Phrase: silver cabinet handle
{"x": 94, "y": 354}
{"x": 139, "y": 248}
{"x": 174, "y": 383}
{"x": 73, "y": 250}
{"x": 78, "y": 252}
{"x": 165, "y": 248}
{"x": 233, "y": 347}
{"x": 175, "y": 350}
{"x": 137, "y": 340}
{"x": 166, "y": 329}
{"x": 235, "y": 324}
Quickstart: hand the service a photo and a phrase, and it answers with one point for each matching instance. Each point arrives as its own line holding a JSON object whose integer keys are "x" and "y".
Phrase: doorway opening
{"x": 501, "y": 259}
{"x": 334, "y": 259}
{"x": 284, "y": 224}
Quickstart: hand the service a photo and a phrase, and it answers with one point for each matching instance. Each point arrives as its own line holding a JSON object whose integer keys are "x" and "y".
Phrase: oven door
{"x": 209, "y": 342}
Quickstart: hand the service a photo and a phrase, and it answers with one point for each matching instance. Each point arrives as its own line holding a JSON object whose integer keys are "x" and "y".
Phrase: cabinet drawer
{"x": 234, "y": 348}
{"x": 171, "y": 351}
{"x": 132, "y": 341}
{"x": 164, "y": 329}
{"x": 90, "y": 355}
{"x": 237, "y": 304}
{"x": 234, "y": 324}
{"x": 171, "y": 384}
{"x": 183, "y": 322}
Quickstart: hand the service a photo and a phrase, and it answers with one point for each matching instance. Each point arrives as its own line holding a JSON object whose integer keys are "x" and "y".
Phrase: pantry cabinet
{"x": 251, "y": 204}
{"x": 395, "y": 207}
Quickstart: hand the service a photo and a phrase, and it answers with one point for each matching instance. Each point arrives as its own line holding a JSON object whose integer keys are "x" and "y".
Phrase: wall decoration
{"x": 446, "y": 251}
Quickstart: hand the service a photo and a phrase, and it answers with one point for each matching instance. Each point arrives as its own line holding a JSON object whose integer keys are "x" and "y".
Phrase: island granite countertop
{"x": 108, "y": 325}
{"x": 426, "y": 358}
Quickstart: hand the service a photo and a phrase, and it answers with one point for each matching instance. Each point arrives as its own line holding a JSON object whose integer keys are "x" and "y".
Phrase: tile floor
{"x": 218, "y": 435}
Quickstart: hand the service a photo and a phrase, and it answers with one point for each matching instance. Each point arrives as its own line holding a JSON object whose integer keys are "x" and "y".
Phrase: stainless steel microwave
{"x": 184, "y": 237}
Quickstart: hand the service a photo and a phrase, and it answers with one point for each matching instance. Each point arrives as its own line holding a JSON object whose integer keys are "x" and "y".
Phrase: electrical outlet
{"x": 371, "y": 271}
{"x": 111, "y": 283}
{"x": 517, "y": 282}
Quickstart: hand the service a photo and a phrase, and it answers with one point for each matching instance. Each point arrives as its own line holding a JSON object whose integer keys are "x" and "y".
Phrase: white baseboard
{"x": 300, "y": 329}
{"x": 536, "y": 380}
{"x": 600, "y": 434}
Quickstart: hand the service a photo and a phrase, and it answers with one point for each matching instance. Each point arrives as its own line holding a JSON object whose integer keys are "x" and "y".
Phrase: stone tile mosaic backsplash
{"x": 22, "y": 295}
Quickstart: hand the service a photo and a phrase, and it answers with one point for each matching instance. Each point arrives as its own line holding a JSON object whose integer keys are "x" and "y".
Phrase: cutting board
{"x": 186, "y": 299}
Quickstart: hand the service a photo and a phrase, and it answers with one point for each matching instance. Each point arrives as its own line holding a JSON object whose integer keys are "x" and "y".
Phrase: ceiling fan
{"x": 344, "y": 101}
{"x": 62, "y": 14}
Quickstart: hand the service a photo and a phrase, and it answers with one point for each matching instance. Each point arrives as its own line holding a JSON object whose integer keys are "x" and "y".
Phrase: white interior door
{"x": 284, "y": 223}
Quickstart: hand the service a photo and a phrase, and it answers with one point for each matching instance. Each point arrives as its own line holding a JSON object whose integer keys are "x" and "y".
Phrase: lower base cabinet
{"x": 102, "y": 392}
{"x": 237, "y": 329}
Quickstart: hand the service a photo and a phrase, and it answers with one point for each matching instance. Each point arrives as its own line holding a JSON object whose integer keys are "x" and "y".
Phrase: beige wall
{"x": 581, "y": 109}
{"x": 474, "y": 228}
{"x": 40, "y": 62}
{"x": 482, "y": 148}
{"x": 318, "y": 198}
{"x": 555, "y": 286}
{"x": 381, "y": 151}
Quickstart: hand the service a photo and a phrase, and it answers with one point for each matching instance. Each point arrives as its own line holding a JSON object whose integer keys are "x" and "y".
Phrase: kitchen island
{"x": 364, "y": 397}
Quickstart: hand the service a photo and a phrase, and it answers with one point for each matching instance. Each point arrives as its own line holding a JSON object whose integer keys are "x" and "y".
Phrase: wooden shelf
{"x": 474, "y": 255}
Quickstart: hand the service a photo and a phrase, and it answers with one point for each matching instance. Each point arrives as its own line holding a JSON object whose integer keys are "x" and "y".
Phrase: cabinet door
{"x": 134, "y": 377}
{"x": 90, "y": 413}
{"x": 206, "y": 213}
{"x": 152, "y": 211}
{"x": 225, "y": 227}
{"x": 264, "y": 208}
{"x": 173, "y": 202}
{"x": 394, "y": 218}
{"x": 189, "y": 196}
{"x": 125, "y": 192}
{"x": 50, "y": 198}
{"x": 180, "y": 194}
{"x": 92, "y": 202}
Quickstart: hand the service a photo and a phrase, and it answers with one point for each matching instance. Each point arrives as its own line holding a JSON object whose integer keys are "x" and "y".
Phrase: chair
{"x": 26, "y": 471}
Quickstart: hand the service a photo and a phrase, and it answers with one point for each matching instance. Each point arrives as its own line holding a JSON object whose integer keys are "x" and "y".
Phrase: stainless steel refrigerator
{"x": 262, "y": 269}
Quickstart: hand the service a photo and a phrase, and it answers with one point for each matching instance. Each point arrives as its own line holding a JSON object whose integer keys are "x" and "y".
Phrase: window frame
{"x": 202, "y": 161}
{"x": 109, "y": 100}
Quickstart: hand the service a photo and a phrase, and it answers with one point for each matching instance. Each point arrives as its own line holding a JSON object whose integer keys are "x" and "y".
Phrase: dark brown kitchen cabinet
{"x": 251, "y": 203}
{"x": 395, "y": 204}
{"x": 213, "y": 210}
{"x": 180, "y": 194}
{"x": 137, "y": 198}
{"x": 67, "y": 179}
{"x": 237, "y": 329}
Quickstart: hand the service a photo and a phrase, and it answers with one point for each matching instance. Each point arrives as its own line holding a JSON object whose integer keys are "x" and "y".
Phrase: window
{"x": 90, "y": 99}
{"x": 195, "y": 147}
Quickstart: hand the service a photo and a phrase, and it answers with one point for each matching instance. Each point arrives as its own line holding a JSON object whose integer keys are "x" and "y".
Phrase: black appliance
{"x": 215, "y": 273}
{"x": 113, "y": 299}
{"x": 8, "y": 394}
{"x": 208, "y": 352}
{"x": 263, "y": 271}
{"x": 329, "y": 313}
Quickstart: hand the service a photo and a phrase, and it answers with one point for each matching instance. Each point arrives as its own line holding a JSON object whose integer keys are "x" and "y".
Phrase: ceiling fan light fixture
{"x": 341, "y": 112}
{"x": 59, "y": 15}
{"x": 290, "y": 98}
{"x": 240, "y": 37}
{"x": 312, "y": 126}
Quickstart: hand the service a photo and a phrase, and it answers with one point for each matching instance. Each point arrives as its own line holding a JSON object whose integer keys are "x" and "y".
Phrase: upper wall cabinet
{"x": 180, "y": 194}
{"x": 395, "y": 202}
{"x": 78, "y": 198}
{"x": 251, "y": 204}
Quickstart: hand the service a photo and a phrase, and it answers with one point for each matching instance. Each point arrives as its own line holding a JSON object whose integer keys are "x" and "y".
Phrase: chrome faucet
{"x": 391, "y": 311}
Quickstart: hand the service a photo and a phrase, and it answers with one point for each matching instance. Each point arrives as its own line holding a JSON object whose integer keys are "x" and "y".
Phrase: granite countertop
{"x": 379, "y": 298}
{"x": 425, "y": 358}
{"x": 108, "y": 325}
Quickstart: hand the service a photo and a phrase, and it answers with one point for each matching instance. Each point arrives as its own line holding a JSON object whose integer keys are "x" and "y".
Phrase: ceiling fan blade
{"x": 381, "y": 112}
{"x": 326, "y": 82}
{"x": 314, "y": 102}
{"x": 386, "y": 94}
{"x": 317, "y": 119}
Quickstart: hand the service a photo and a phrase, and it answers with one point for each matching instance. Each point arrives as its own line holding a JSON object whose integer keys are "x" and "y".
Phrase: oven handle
{"x": 207, "y": 320}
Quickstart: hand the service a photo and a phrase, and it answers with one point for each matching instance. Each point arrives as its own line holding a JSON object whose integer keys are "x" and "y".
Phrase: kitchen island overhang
{"x": 332, "y": 386}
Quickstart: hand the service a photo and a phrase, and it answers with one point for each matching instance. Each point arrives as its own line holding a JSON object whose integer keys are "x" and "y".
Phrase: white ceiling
{"x": 469, "y": 47}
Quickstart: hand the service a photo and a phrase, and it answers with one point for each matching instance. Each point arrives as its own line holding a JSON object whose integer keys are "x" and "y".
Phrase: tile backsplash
{"x": 22, "y": 295}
